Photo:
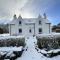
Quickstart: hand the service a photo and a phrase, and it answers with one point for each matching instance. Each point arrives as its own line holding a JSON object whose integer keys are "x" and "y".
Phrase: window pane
{"x": 40, "y": 30}
{"x": 20, "y": 30}
{"x": 19, "y": 22}
{"x": 39, "y": 22}
{"x": 30, "y": 30}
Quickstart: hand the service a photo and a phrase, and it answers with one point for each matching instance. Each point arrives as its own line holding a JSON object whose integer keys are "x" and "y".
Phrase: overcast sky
{"x": 30, "y": 8}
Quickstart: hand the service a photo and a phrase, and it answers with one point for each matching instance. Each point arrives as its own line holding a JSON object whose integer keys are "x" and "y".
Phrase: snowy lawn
{"x": 11, "y": 47}
{"x": 49, "y": 44}
{"x": 31, "y": 53}
{"x": 10, "y": 52}
{"x": 50, "y": 53}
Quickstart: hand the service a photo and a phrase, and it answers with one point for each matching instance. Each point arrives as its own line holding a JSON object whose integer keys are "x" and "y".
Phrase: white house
{"x": 29, "y": 26}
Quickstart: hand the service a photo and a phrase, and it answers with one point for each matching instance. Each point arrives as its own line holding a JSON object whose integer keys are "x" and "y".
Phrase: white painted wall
{"x": 25, "y": 26}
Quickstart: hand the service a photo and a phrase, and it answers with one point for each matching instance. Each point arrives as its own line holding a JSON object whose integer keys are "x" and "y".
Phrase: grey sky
{"x": 30, "y": 8}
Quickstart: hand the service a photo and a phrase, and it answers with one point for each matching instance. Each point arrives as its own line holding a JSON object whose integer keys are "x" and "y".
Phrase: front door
{"x": 30, "y": 30}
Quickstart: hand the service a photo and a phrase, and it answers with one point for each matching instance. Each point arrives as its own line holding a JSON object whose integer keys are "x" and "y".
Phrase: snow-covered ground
{"x": 32, "y": 54}
{"x": 49, "y": 35}
{"x": 7, "y": 36}
{"x": 8, "y": 52}
{"x": 11, "y": 48}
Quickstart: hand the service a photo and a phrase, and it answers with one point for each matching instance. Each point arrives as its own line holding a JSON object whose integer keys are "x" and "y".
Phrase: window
{"x": 40, "y": 30}
{"x": 39, "y": 22}
{"x": 19, "y": 22}
{"x": 30, "y": 30}
{"x": 20, "y": 30}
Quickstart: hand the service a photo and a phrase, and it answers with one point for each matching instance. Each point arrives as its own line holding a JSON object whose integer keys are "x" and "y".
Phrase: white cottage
{"x": 29, "y": 26}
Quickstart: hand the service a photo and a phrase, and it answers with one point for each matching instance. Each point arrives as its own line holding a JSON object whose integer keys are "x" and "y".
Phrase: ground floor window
{"x": 20, "y": 30}
{"x": 30, "y": 31}
{"x": 40, "y": 30}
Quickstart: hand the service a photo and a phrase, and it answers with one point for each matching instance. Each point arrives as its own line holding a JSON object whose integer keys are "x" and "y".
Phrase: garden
{"x": 11, "y": 47}
{"x": 49, "y": 45}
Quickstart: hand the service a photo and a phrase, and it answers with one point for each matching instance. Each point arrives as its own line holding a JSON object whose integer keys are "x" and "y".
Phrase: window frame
{"x": 39, "y": 22}
{"x": 40, "y": 30}
{"x": 30, "y": 31}
{"x": 20, "y": 30}
{"x": 20, "y": 22}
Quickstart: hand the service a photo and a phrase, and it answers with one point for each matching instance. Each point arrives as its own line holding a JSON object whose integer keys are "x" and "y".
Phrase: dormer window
{"x": 19, "y": 22}
{"x": 39, "y": 22}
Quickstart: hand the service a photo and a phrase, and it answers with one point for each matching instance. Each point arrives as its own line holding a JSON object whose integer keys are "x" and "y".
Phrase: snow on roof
{"x": 13, "y": 22}
{"x": 29, "y": 20}
{"x": 47, "y": 21}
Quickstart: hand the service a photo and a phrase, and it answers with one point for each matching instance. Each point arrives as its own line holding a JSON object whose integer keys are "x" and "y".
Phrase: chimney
{"x": 45, "y": 17}
{"x": 19, "y": 17}
{"x": 14, "y": 17}
{"x": 39, "y": 16}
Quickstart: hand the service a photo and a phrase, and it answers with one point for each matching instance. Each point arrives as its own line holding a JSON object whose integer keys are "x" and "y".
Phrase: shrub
{"x": 48, "y": 42}
{"x": 12, "y": 42}
{"x": 58, "y": 39}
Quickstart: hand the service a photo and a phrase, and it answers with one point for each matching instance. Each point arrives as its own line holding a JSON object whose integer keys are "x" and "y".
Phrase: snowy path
{"x": 32, "y": 54}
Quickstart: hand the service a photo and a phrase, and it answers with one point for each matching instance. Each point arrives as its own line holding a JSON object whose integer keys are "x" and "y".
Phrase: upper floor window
{"x": 19, "y": 22}
{"x": 39, "y": 22}
{"x": 20, "y": 30}
{"x": 30, "y": 31}
{"x": 40, "y": 30}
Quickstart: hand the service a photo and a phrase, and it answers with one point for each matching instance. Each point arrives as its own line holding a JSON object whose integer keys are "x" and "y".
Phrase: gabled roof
{"x": 13, "y": 22}
{"x": 29, "y": 20}
{"x": 47, "y": 21}
{"x": 19, "y": 17}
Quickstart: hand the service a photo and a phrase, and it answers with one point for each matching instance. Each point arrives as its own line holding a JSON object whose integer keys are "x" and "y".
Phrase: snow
{"x": 32, "y": 54}
{"x": 54, "y": 51}
{"x": 6, "y": 59}
{"x": 3, "y": 53}
{"x": 10, "y": 53}
{"x": 46, "y": 52}
{"x": 49, "y": 35}
{"x": 11, "y": 48}
{"x": 2, "y": 35}
{"x": 7, "y": 36}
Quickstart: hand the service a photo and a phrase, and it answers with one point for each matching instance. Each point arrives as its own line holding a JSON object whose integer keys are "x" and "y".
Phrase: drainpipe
{"x": 10, "y": 29}
{"x": 49, "y": 27}
{"x": 34, "y": 29}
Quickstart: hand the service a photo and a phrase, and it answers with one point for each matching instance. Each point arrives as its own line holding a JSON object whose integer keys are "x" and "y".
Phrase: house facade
{"x": 29, "y": 26}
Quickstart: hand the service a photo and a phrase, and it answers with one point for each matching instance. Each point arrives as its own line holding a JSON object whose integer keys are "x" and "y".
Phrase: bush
{"x": 12, "y": 42}
{"x": 58, "y": 39}
{"x": 48, "y": 43}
